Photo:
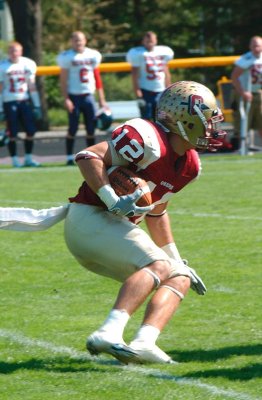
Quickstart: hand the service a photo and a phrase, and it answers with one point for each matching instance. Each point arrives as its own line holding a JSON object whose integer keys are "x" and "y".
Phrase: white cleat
{"x": 140, "y": 355}
{"x": 99, "y": 342}
{"x": 31, "y": 163}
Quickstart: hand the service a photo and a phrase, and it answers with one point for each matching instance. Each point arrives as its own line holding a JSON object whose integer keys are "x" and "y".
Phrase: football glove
{"x": 196, "y": 282}
{"x": 37, "y": 113}
{"x": 126, "y": 205}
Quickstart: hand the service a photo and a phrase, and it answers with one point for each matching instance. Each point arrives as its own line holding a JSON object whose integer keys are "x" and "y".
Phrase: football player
{"x": 247, "y": 82}
{"x": 79, "y": 79}
{"x": 17, "y": 95}
{"x": 150, "y": 73}
{"x": 102, "y": 229}
{"x": 111, "y": 243}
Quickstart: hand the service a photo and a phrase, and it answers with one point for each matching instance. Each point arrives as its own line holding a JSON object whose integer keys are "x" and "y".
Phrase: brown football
{"x": 125, "y": 181}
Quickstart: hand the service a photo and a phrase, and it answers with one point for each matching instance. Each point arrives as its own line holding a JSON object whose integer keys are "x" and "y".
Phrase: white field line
{"x": 74, "y": 354}
{"x": 39, "y": 204}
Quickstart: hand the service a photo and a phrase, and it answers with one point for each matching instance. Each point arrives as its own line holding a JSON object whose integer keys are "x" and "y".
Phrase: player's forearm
{"x": 160, "y": 229}
{"x": 135, "y": 82}
{"x": 101, "y": 97}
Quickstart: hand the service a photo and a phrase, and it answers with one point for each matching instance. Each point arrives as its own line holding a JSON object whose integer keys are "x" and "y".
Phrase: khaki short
{"x": 108, "y": 244}
{"x": 255, "y": 112}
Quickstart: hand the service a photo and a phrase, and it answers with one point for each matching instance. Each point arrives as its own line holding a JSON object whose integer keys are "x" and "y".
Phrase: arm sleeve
{"x": 98, "y": 80}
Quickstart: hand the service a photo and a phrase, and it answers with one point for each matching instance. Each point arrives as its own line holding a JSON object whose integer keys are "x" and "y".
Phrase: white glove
{"x": 126, "y": 205}
{"x": 196, "y": 282}
{"x": 122, "y": 205}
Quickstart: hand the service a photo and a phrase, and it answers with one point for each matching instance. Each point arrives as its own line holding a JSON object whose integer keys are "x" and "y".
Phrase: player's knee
{"x": 160, "y": 270}
{"x": 179, "y": 283}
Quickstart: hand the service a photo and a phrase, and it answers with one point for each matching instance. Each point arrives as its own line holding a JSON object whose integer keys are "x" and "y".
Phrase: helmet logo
{"x": 194, "y": 100}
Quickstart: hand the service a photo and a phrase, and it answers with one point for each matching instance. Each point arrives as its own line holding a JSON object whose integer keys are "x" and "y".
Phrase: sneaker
{"x": 99, "y": 342}
{"x": 16, "y": 164}
{"x": 143, "y": 355}
{"x": 31, "y": 163}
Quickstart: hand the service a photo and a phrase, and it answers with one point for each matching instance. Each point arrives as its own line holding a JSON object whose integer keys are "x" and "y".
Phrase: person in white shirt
{"x": 247, "y": 81}
{"x": 150, "y": 72}
{"x": 79, "y": 80}
{"x": 19, "y": 101}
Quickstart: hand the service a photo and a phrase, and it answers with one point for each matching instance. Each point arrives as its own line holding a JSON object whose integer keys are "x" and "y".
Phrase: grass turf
{"x": 49, "y": 304}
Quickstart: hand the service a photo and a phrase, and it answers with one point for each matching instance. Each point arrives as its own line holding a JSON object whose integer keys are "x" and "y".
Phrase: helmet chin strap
{"x": 201, "y": 116}
{"x": 182, "y": 131}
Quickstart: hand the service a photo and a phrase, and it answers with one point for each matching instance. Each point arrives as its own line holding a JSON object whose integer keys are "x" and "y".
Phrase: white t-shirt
{"x": 15, "y": 78}
{"x": 253, "y": 71}
{"x": 151, "y": 63}
{"x": 81, "y": 67}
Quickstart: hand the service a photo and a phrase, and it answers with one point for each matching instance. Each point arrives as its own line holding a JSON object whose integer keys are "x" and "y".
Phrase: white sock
{"x": 70, "y": 157}
{"x": 146, "y": 334}
{"x": 115, "y": 323}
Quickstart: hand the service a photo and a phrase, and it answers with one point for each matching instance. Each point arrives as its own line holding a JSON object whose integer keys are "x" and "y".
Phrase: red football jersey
{"x": 145, "y": 146}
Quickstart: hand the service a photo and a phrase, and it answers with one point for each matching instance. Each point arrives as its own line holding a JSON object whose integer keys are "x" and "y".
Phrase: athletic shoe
{"x": 16, "y": 164}
{"x": 31, "y": 163}
{"x": 100, "y": 342}
{"x": 142, "y": 355}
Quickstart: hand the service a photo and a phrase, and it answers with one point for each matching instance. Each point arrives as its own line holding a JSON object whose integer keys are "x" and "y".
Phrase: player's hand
{"x": 69, "y": 105}
{"x": 37, "y": 113}
{"x": 196, "y": 282}
{"x": 2, "y": 116}
{"x": 126, "y": 205}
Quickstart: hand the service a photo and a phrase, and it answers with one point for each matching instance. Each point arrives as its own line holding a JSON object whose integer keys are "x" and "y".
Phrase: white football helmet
{"x": 190, "y": 110}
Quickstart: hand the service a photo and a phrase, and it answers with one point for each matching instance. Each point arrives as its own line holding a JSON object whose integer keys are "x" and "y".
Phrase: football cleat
{"x": 31, "y": 163}
{"x": 99, "y": 342}
{"x": 142, "y": 355}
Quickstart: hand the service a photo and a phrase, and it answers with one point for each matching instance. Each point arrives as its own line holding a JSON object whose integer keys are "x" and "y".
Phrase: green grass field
{"x": 50, "y": 304}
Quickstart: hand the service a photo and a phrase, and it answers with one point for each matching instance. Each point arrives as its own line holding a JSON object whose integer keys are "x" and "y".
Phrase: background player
{"x": 247, "y": 81}
{"x": 150, "y": 73}
{"x": 79, "y": 80}
{"x": 17, "y": 94}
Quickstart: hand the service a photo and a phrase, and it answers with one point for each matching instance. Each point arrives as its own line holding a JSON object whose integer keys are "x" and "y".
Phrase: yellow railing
{"x": 173, "y": 64}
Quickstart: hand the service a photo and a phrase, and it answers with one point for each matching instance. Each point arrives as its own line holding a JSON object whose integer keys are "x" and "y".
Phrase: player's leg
{"x": 73, "y": 122}
{"x": 159, "y": 311}
{"x": 11, "y": 114}
{"x": 27, "y": 119}
{"x": 88, "y": 107}
{"x": 113, "y": 247}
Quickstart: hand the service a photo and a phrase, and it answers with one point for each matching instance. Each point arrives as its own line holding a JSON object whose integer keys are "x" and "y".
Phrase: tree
{"x": 27, "y": 20}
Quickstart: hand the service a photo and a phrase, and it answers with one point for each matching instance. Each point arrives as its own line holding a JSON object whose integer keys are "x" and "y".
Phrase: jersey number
{"x": 16, "y": 85}
{"x": 130, "y": 151}
{"x": 83, "y": 74}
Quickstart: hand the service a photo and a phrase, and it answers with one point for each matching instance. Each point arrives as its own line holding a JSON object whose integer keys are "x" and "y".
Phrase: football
{"x": 125, "y": 181}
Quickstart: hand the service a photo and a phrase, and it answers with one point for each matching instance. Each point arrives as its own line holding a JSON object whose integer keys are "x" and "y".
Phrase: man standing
{"x": 247, "y": 81}
{"x": 150, "y": 73}
{"x": 17, "y": 94}
{"x": 79, "y": 80}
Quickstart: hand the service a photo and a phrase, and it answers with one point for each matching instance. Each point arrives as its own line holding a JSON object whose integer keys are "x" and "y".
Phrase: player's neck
{"x": 179, "y": 145}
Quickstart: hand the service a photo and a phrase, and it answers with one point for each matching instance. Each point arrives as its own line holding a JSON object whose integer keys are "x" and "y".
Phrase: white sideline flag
{"x": 28, "y": 219}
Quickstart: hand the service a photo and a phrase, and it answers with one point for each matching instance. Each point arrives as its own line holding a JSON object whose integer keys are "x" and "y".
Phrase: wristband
{"x": 108, "y": 195}
{"x": 171, "y": 250}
